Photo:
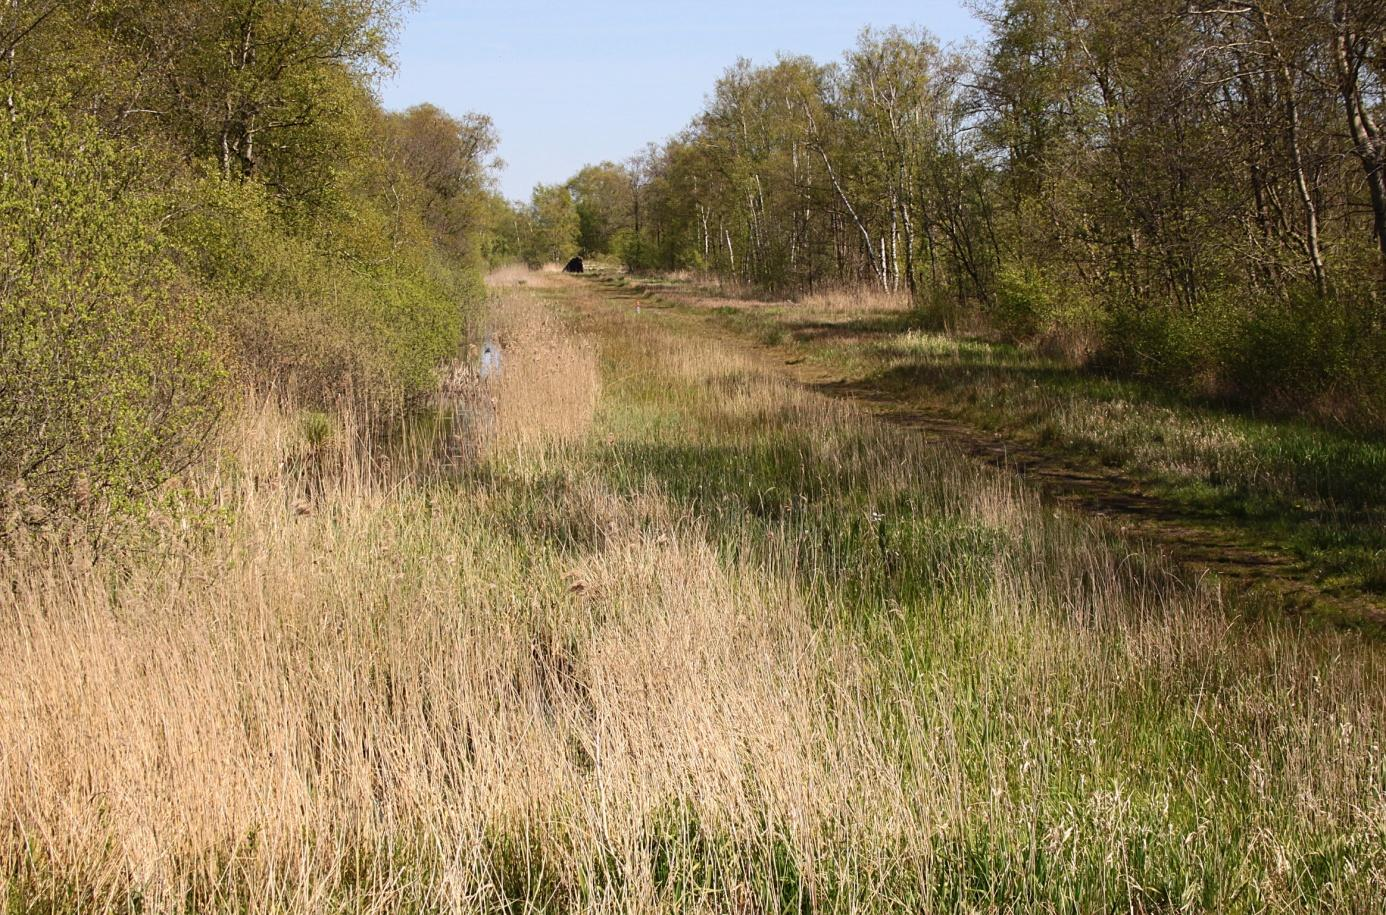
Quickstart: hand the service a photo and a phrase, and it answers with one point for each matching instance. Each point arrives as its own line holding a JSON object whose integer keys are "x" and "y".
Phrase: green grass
{"x": 1315, "y": 493}
{"x": 736, "y": 647}
{"x": 1089, "y": 774}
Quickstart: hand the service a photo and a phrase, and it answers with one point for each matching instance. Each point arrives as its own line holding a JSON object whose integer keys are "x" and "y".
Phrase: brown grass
{"x": 854, "y": 300}
{"x": 551, "y": 681}
{"x": 324, "y": 689}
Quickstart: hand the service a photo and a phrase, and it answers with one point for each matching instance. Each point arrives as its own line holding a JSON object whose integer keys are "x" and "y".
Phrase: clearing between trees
{"x": 639, "y": 623}
{"x": 348, "y": 566}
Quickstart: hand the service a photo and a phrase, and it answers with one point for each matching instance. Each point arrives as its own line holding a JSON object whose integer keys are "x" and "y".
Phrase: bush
{"x": 1024, "y": 302}
{"x": 316, "y": 312}
{"x": 1033, "y": 307}
{"x": 631, "y": 250}
{"x": 109, "y": 372}
{"x": 1155, "y": 344}
{"x": 1308, "y": 354}
{"x": 1315, "y": 354}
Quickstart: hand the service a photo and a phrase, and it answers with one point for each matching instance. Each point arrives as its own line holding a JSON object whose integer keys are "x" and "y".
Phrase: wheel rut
{"x": 1202, "y": 544}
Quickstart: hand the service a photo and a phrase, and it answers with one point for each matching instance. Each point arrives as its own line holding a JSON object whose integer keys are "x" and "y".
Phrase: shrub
{"x": 1034, "y": 307}
{"x": 314, "y": 311}
{"x": 632, "y": 250}
{"x": 1024, "y": 302}
{"x": 1310, "y": 354}
{"x": 1321, "y": 355}
{"x": 1154, "y": 343}
{"x": 109, "y": 372}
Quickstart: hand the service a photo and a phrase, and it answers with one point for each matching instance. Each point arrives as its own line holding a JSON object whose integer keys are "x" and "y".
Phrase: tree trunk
{"x": 1365, "y": 138}
{"x": 909, "y": 249}
{"x": 1312, "y": 247}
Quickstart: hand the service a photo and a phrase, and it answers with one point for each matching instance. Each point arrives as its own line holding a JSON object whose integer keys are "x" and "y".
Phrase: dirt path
{"x": 1203, "y": 545}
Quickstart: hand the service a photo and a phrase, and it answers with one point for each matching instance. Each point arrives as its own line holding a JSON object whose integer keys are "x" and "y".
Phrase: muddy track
{"x": 1202, "y": 544}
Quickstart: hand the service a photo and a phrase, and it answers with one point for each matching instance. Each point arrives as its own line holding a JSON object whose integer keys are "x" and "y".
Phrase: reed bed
{"x": 672, "y": 635}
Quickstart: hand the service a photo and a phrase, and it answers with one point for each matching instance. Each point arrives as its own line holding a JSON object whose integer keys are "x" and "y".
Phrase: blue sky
{"x": 572, "y": 83}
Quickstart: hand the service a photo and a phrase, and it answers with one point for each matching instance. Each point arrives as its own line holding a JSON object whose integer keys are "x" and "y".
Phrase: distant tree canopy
{"x": 605, "y": 197}
{"x": 1194, "y": 185}
{"x": 548, "y": 229}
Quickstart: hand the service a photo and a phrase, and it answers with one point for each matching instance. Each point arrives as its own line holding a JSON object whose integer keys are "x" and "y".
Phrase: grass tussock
{"x": 677, "y": 636}
{"x": 549, "y": 385}
{"x": 851, "y": 300}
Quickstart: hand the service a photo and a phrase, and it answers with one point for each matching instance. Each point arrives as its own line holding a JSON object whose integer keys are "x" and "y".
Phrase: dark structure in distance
{"x": 574, "y": 266}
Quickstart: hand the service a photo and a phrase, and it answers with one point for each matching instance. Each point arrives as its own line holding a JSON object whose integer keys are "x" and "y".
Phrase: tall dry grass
{"x": 855, "y": 300}
{"x": 402, "y": 696}
{"x": 676, "y": 636}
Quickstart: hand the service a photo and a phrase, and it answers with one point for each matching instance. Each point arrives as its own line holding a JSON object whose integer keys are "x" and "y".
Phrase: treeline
{"x": 1192, "y": 192}
{"x": 201, "y": 195}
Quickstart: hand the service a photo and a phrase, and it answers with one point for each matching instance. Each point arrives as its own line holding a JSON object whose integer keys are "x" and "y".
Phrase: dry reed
{"x": 570, "y": 677}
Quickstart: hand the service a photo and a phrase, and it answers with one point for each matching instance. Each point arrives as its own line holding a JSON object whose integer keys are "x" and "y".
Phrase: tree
{"x": 1176, "y": 179}
{"x": 553, "y": 225}
{"x": 109, "y": 370}
{"x": 449, "y": 162}
{"x": 1359, "y": 34}
{"x": 605, "y": 196}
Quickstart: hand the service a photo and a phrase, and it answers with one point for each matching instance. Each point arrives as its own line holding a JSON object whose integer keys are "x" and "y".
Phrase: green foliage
{"x": 317, "y": 429}
{"x": 449, "y": 161}
{"x": 268, "y": 90}
{"x": 632, "y": 250}
{"x": 1148, "y": 343}
{"x": 315, "y": 321}
{"x": 550, "y": 226}
{"x": 207, "y": 193}
{"x": 109, "y": 372}
{"x": 607, "y": 200}
{"x": 1314, "y": 354}
{"x": 1168, "y": 185}
{"x": 1025, "y": 301}
{"x": 1291, "y": 355}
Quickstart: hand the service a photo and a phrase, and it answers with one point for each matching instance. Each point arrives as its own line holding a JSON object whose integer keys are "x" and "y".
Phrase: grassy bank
{"x": 1312, "y": 492}
{"x": 664, "y": 633}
